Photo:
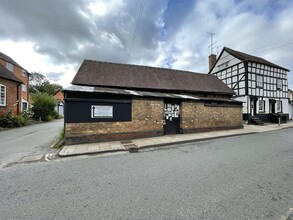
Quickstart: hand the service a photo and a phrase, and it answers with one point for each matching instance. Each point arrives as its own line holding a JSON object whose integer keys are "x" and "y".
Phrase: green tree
{"x": 35, "y": 81}
{"x": 43, "y": 106}
{"x": 39, "y": 83}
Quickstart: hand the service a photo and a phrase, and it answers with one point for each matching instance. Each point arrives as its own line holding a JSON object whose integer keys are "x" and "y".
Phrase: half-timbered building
{"x": 110, "y": 101}
{"x": 261, "y": 85}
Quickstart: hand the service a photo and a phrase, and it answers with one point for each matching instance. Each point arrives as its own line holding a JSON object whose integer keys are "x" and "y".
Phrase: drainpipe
{"x": 17, "y": 99}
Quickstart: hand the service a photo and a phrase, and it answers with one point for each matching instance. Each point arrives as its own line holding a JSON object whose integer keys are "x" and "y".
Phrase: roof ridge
{"x": 144, "y": 66}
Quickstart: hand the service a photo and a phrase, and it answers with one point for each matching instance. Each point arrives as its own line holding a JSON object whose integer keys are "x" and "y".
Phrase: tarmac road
{"x": 29, "y": 140}
{"x": 243, "y": 177}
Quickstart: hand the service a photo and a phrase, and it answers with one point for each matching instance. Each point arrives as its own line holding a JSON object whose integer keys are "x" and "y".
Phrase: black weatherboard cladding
{"x": 80, "y": 105}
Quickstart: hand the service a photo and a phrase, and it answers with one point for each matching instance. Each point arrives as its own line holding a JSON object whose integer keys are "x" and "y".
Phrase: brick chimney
{"x": 212, "y": 60}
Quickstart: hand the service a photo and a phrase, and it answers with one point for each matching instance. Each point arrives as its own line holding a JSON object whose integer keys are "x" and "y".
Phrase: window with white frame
{"x": 259, "y": 81}
{"x": 261, "y": 105}
{"x": 24, "y": 106}
{"x": 9, "y": 66}
{"x": 279, "y": 106}
{"x": 279, "y": 84}
{"x": 23, "y": 87}
{"x": 2, "y": 95}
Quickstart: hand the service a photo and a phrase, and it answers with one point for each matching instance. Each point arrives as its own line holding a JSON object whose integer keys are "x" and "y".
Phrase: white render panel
{"x": 285, "y": 106}
{"x": 244, "y": 104}
{"x": 225, "y": 57}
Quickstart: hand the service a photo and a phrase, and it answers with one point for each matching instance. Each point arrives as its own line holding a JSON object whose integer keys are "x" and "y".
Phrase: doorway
{"x": 172, "y": 118}
{"x": 253, "y": 107}
{"x": 272, "y": 106}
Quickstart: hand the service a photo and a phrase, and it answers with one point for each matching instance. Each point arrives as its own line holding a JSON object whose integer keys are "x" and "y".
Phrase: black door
{"x": 172, "y": 118}
{"x": 272, "y": 106}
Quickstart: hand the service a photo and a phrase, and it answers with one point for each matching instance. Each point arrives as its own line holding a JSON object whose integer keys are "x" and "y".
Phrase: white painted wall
{"x": 244, "y": 100}
{"x": 225, "y": 57}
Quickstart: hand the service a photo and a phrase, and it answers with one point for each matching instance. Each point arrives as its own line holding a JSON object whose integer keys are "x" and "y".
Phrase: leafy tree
{"x": 43, "y": 106}
{"x": 35, "y": 81}
{"x": 39, "y": 83}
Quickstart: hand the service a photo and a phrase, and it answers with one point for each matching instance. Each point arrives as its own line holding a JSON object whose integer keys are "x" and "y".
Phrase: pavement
{"x": 136, "y": 144}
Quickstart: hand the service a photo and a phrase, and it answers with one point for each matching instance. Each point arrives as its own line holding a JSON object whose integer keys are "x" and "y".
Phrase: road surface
{"x": 244, "y": 177}
{"x": 29, "y": 140}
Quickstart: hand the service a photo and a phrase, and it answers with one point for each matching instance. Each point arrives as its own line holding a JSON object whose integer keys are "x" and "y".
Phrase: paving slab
{"x": 124, "y": 145}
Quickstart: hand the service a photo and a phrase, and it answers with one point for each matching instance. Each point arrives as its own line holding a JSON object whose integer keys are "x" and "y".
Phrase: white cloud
{"x": 170, "y": 33}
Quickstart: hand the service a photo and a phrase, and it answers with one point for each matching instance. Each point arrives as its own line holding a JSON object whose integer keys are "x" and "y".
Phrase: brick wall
{"x": 11, "y": 97}
{"x": 147, "y": 116}
{"x": 17, "y": 71}
{"x": 147, "y": 120}
{"x": 196, "y": 116}
{"x": 59, "y": 96}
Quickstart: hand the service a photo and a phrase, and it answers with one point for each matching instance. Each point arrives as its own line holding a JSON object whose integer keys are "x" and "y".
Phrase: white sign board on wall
{"x": 102, "y": 111}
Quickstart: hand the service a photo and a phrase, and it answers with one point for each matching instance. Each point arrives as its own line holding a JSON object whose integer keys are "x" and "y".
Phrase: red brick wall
{"x": 25, "y": 79}
{"x": 59, "y": 96}
{"x": 11, "y": 97}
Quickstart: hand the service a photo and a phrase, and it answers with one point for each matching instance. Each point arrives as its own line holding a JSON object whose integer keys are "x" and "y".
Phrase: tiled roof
{"x": 246, "y": 57}
{"x": 8, "y": 59}
{"x": 96, "y": 73}
{"x": 6, "y": 74}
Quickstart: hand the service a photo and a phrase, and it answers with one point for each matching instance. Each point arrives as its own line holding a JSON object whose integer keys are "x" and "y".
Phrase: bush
{"x": 10, "y": 121}
{"x": 56, "y": 115}
{"x": 28, "y": 114}
{"x": 43, "y": 106}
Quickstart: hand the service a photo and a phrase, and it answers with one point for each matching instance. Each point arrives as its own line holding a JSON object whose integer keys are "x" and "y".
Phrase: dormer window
{"x": 23, "y": 73}
{"x": 9, "y": 66}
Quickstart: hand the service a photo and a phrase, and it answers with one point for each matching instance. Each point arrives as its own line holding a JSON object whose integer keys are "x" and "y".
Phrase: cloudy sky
{"x": 53, "y": 37}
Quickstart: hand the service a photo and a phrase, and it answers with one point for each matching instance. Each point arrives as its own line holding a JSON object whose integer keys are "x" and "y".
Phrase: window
{"x": 279, "y": 84}
{"x": 261, "y": 105}
{"x": 23, "y": 87}
{"x": 23, "y": 73}
{"x": 259, "y": 81}
{"x": 24, "y": 106}
{"x": 279, "y": 106}
{"x": 2, "y": 95}
{"x": 102, "y": 111}
{"x": 9, "y": 66}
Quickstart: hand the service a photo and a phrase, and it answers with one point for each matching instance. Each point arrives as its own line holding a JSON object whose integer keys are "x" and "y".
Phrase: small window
{"x": 9, "y": 66}
{"x": 2, "y": 95}
{"x": 261, "y": 105}
{"x": 23, "y": 73}
{"x": 279, "y": 84}
{"x": 23, "y": 87}
{"x": 259, "y": 81}
{"x": 24, "y": 106}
